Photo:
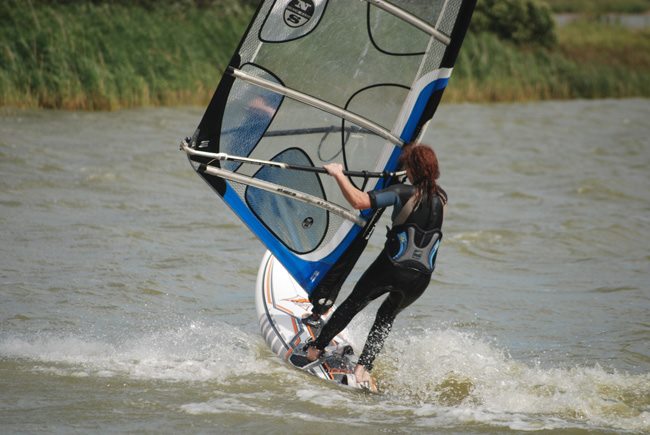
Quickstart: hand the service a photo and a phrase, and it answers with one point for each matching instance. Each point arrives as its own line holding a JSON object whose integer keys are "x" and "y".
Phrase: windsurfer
{"x": 403, "y": 269}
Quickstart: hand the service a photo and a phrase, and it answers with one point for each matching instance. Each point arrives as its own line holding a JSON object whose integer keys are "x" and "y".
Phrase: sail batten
{"x": 314, "y": 82}
{"x": 284, "y": 191}
{"x": 319, "y": 104}
{"x": 411, "y": 19}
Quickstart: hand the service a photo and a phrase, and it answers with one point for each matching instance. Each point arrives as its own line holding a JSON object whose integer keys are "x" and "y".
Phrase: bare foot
{"x": 313, "y": 353}
{"x": 365, "y": 379}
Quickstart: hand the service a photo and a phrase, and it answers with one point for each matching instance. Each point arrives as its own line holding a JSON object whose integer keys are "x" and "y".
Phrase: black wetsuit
{"x": 403, "y": 284}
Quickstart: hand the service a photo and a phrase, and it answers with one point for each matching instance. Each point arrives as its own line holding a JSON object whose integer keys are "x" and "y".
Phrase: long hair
{"x": 422, "y": 162}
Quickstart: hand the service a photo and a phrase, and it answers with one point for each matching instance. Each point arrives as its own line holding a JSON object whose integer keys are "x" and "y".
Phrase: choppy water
{"x": 126, "y": 289}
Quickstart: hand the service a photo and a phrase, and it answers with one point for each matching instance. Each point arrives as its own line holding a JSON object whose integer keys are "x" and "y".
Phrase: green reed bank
{"x": 112, "y": 54}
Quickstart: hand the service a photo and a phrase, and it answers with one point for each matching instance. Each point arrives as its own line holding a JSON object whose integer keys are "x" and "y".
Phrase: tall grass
{"x": 600, "y": 6}
{"x": 591, "y": 61}
{"x": 109, "y": 56}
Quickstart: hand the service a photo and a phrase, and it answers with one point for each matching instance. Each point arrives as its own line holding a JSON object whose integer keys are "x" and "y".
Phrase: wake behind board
{"x": 281, "y": 306}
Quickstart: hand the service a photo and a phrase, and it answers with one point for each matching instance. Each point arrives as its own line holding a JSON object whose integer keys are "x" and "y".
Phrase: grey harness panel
{"x": 420, "y": 256}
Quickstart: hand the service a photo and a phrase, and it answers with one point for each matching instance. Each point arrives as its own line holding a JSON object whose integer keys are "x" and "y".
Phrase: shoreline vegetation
{"x": 114, "y": 54}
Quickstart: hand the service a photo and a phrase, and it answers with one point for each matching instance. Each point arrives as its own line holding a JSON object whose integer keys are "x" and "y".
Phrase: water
{"x": 126, "y": 288}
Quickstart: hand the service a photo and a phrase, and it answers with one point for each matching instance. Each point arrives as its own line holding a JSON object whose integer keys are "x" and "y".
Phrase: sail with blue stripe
{"x": 314, "y": 82}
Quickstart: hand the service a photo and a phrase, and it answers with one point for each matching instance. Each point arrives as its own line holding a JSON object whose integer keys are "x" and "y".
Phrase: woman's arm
{"x": 357, "y": 198}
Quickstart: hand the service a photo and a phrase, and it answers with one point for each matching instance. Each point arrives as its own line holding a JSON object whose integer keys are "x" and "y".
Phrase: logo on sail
{"x": 298, "y": 12}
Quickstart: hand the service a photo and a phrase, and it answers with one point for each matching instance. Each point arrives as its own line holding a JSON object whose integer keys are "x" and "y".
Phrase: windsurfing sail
{"x": 314, "y": 82}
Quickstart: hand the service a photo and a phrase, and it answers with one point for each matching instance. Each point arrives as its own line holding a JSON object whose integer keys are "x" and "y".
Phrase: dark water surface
{"x": 126, "y": 287}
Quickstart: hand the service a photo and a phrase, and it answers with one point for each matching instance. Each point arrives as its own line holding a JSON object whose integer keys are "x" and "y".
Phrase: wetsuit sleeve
{"x": 392, "y": 196}
{"x": 382, "y": 198}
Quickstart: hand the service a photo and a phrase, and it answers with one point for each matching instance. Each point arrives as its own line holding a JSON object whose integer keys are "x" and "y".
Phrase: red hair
{"x": 422, "y": 162}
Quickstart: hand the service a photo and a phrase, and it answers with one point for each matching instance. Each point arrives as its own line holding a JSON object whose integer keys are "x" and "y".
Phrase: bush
{"x": 519, "y": 21}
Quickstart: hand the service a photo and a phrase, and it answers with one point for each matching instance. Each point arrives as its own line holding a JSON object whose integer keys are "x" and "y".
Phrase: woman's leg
{"x": 409, "y": 291}
{"x": 370, "y": 286}
{"x": 380, "y": 329}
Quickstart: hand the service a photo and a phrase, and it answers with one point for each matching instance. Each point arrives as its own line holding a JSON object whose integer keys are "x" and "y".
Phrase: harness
{"x": 414, "y": 247}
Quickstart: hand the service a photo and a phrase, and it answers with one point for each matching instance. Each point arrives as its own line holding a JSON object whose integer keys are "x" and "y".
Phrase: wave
{"x": 429, "y": 379}
{"x": 195, "y": 352}
{"x": 456, "y": 373}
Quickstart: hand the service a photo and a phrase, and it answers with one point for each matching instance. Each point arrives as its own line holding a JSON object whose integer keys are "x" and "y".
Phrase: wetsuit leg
{"x": 380, "y": 329}
{"x": 396, "y": 301}
{"x": 369, "y": 288}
